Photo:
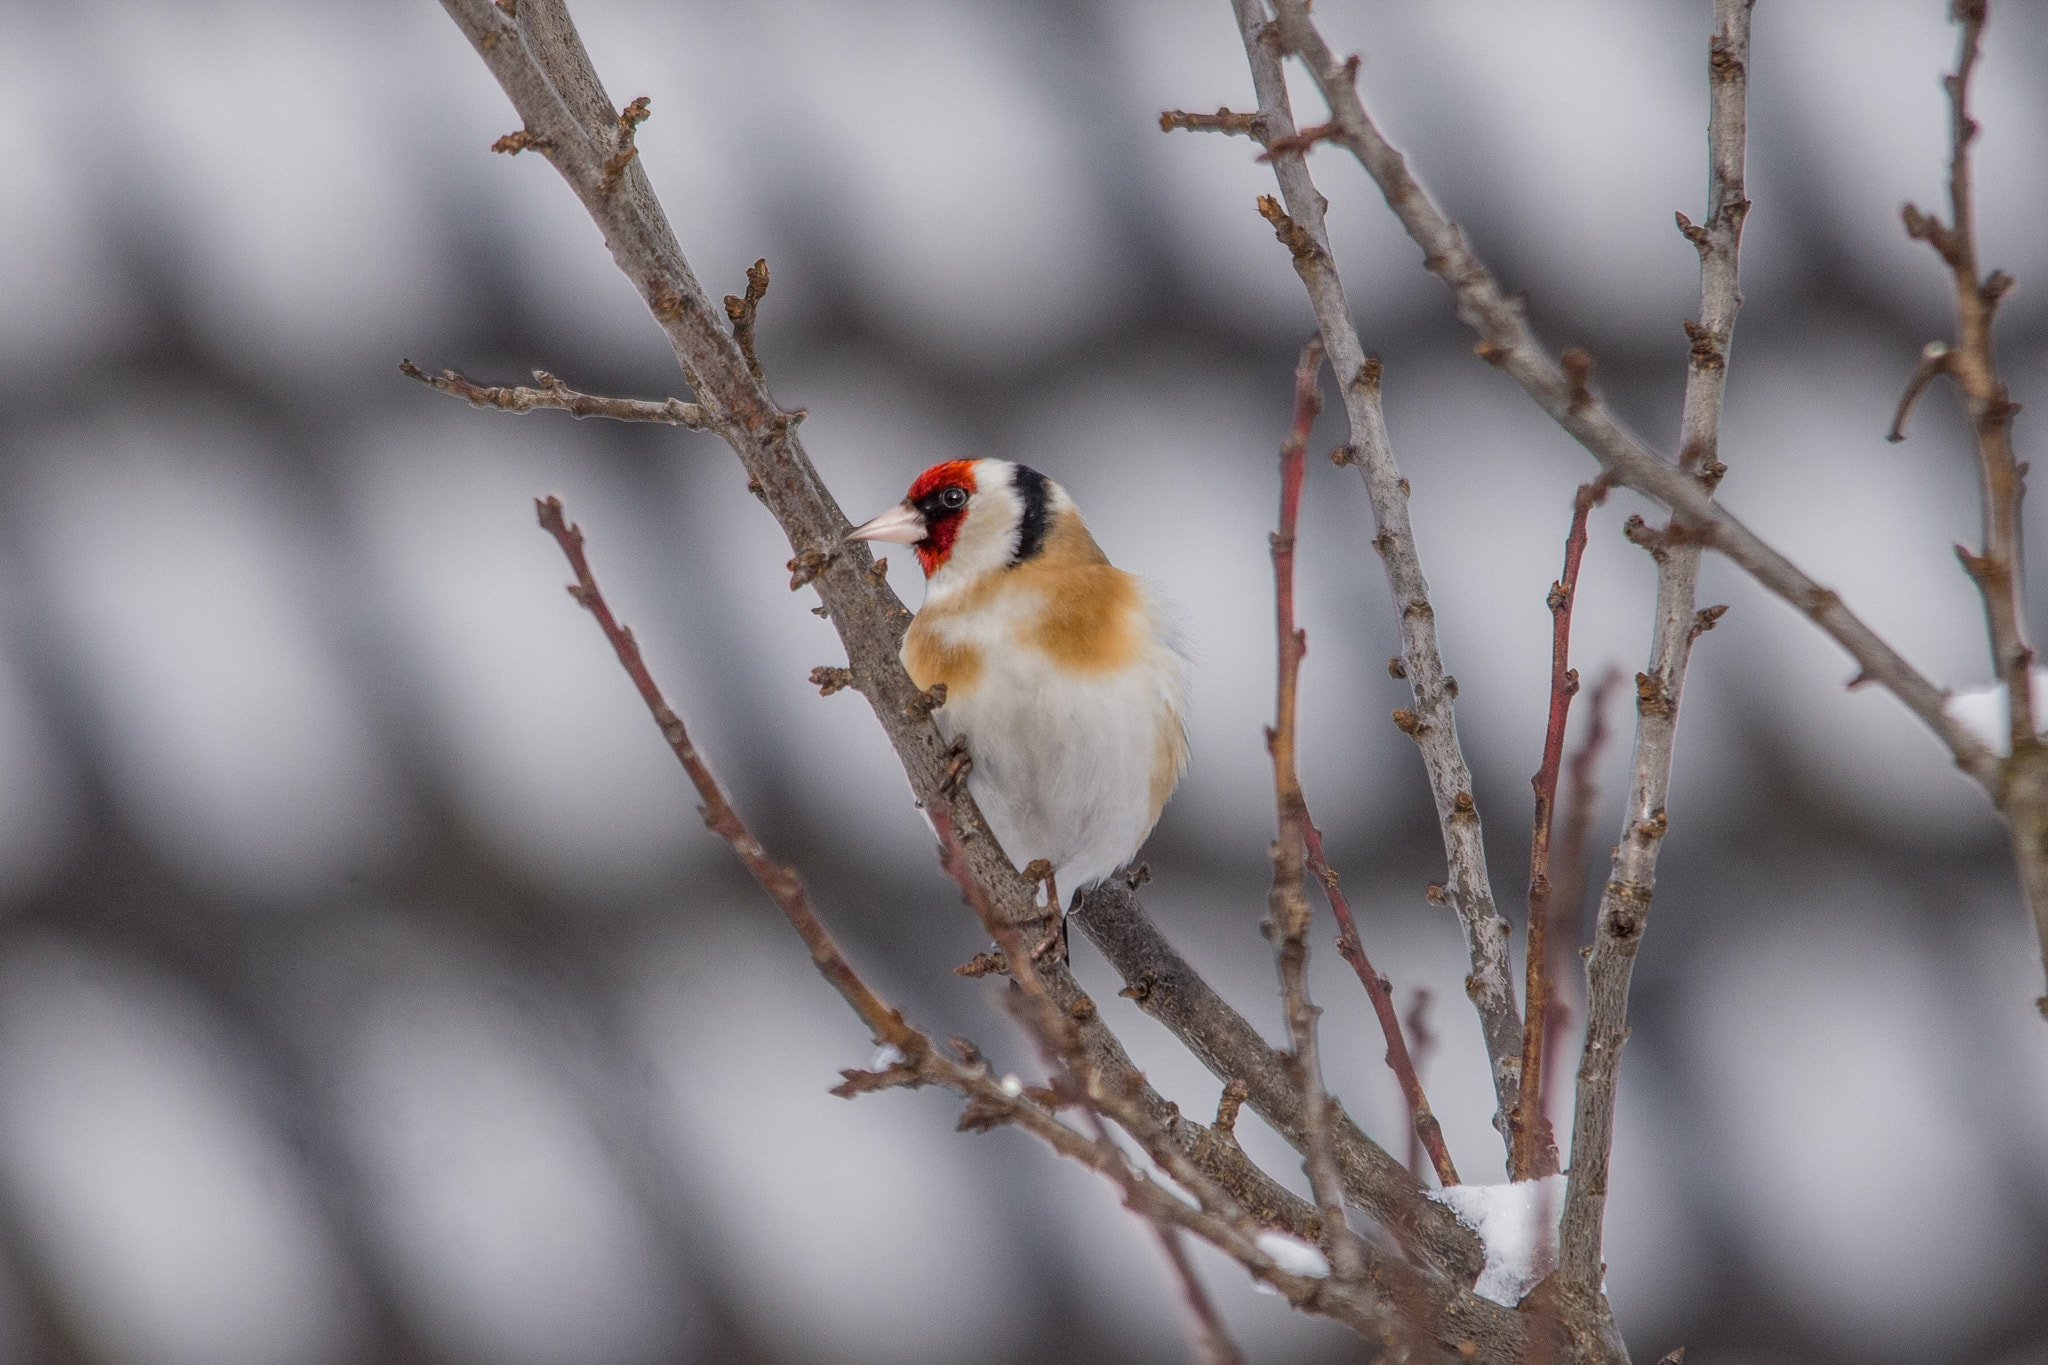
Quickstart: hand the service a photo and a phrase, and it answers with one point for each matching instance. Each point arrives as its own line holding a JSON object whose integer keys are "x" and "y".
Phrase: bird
{"x": 1065, "y": 683}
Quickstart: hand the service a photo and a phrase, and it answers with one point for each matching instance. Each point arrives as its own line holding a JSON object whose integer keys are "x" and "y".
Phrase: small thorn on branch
{"x": 1292, "y": 235}
{"x": 1222, "y": 121}
{"x": 631, "y": 117}
{"x": 1935, "y": 359}
{"x": 1925, "y": 227}
{"x": 741, "y": 310}
{"x": 512, "y": 144}
{"x": 1301, "y": 142}
{"x": 828, "y": 679}
{"x": 983, "y": 964}
{"x": 1704, "y": 620}
{"x": 1694, "y": 233}
{"x": 806, "y": 567}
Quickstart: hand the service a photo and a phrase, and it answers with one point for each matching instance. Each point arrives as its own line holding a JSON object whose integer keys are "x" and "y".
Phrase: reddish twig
{"x": 1288, "y": 927}
{"x": 1427, "y": 1132}
{"x": 989, "y": 1101}
{"x": 781, "y": 883}
{"x": 1433, "y": 723}
{"x": 1508, "y": 341}
{"x": 1534, "y": 1151}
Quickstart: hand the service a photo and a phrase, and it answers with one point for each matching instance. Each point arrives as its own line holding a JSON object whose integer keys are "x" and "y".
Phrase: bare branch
{"x": 1933, "y": 362}
{"x": 1288, "y": 902}
{"x": 1507, "y": 342}
{"x": 1433, "y": 722}
{"x": 541, "y": 64}
{"x": 781, "y": 883}
{"x": 1535, "y": 1150}
{"x": 1427, "y": 1132}
{"x": 553, "y": 393}
{"x": 741, "y": 311}
{"x": 1222, "y": 121}
{"x": 1972, "y": 362}
{"x": 1625, "y": 905}
{"x": 989, "y": 1102}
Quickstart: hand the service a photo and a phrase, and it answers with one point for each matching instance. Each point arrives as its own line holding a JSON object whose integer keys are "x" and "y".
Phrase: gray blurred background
{"x": 368, "y": 991}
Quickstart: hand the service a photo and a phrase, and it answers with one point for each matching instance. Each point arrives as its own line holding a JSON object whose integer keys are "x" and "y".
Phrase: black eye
{"x": 954, "y": 498}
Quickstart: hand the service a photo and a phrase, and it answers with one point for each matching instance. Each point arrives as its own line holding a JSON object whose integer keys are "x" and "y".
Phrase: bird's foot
{"x": 957, "y": 769}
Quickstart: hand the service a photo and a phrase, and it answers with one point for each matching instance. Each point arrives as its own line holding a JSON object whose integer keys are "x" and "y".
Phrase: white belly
{"x": 1064, "y": 769}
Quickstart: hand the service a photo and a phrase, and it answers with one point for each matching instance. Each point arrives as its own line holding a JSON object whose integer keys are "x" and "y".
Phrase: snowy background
{"x": 368, "y": 991}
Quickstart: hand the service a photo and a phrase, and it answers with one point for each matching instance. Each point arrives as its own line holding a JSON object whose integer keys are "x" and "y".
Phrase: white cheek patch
{"x": 988, "y": 533}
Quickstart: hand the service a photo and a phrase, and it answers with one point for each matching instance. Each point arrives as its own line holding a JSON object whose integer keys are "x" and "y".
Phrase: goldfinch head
{"x": 966, "y": 518}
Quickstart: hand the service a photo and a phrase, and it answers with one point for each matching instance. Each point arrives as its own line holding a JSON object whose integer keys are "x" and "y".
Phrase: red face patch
{"x": 935, "y": 493}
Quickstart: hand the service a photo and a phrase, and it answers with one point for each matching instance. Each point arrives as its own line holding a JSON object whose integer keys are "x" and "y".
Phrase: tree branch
{"x": 1507, "y": 342}
{"x": 989, "y": 1101}
{"x": 1433, "y": 722}
{"x": 1972, "y": 362}
{"x": 540, "y": 63}
{"x": 553, "y": 393}
{"x": 1288, "y": 902}
{"x": 1625, "y": 904}
{"x": 1535, "y": 1150}
{"x": 1427, "y": 1131}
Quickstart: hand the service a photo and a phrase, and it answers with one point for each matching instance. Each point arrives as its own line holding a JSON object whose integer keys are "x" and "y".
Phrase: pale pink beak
{"x": 902, "y": 524}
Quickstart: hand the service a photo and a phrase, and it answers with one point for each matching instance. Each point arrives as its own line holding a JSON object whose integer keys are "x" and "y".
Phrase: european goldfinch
{"x": 1061, "y": 681}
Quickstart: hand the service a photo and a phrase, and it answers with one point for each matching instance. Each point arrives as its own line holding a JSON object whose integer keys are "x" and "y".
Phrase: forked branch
{"x": 1625, "y": 904}
{"x": 1507, "y": 341}
{"x": 1996, "y": 567}
{"x": 1433, "y": 721}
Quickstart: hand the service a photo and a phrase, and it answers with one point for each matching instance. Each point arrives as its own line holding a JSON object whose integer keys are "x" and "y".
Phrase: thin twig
{"x": 1077, "y": 1082}
{"x": 922, "y": 1063}
{"x": 1568, "y": 887}
{"x": 1625, "y": 904}
{"x": 1997, "y": 568}
{"x": 1426, "y": 1135}
{"x": 742, "y": 309}
{"x": 1288, "y": 902}
{"x": 1507, "y": 341}
{"x": 1222, "y": 121}
{"x": 1535, "y": 1150}
{"x": 1433, "y": 721}
{"x": 539, "y": 61}
{"x": 1425, "y": 1044}
{"x": 553, "y": 393}
{"x": 1213, "y": 1344}
{"x": 781, "y": 883}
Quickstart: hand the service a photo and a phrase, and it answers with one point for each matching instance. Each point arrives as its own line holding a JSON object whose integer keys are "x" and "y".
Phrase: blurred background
{"x": 368, "y": 990}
